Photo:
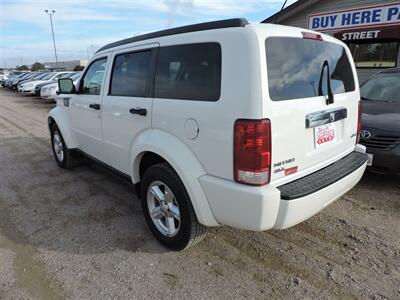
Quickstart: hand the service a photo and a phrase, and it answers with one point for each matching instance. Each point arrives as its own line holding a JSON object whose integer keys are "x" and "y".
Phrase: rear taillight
{"x": 252, "y": 152}
{"x": 359, "y": 123}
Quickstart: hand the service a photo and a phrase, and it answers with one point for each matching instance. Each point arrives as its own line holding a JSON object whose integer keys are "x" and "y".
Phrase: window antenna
{"x": 279, "y": 14}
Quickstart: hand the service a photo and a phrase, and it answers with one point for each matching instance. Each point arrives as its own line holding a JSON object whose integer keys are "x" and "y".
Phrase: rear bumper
{"x": 262, "y": 208}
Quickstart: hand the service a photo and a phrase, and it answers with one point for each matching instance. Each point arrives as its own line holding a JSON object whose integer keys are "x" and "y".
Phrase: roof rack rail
{"x": 238, "y": 22}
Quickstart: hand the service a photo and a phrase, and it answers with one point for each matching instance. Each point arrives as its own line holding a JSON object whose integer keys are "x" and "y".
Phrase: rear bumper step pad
{"x": 323, "y": 178}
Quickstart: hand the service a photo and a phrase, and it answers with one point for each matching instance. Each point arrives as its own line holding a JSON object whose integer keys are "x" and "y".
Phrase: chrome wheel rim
{"x": 58, "y": 146}
{"x": 163, "y": 208}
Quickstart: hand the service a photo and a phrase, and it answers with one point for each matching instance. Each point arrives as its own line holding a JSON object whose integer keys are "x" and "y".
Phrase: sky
{"x": 81, "y": 27}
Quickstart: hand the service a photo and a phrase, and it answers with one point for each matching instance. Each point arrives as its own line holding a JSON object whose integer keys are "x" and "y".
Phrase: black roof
{"x": 184, "y": 29}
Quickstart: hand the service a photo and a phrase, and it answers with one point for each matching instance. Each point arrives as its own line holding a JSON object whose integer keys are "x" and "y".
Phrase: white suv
{"x": 220, "y": 123}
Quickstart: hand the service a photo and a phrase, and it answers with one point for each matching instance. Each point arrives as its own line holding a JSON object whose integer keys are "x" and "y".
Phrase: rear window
{"x": 190, "y": 72}
{"x": 294, "y": 68}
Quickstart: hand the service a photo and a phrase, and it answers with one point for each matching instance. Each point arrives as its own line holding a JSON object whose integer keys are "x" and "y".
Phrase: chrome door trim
{"x": 325, "y": 117}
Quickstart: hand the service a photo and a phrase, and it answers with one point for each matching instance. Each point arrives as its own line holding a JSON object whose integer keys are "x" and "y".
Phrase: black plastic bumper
{"x": 323, "y": 177}
{"x": 385, "y": 162}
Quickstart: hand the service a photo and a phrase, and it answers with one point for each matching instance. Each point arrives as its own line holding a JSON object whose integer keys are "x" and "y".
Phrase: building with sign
{"x": 371, "y": 28}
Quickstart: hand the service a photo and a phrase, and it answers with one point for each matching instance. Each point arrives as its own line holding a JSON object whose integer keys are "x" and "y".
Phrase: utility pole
{"x": 51, "y": 13}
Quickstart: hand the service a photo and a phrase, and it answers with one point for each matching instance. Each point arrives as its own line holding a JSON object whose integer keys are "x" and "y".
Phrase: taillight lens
{"x": 311, "y": 36}
{"x": 252, "y": 157}
{"x": 359, "y": 123}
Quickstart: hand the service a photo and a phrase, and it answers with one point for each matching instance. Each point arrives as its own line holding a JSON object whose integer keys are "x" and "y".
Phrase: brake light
{"x": 359, "y": 123}
{"x": 311, "y": 36}
{"x": 252, "y": 151}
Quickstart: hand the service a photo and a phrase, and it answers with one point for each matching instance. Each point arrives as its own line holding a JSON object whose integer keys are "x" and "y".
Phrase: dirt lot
{"x": 80, "y": 234}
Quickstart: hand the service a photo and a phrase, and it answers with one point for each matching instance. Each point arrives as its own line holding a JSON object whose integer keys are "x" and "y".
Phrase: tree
{"x": 37, "y": 66}
{"x": 23, "y": 67}
{"x": 78, "y": 68}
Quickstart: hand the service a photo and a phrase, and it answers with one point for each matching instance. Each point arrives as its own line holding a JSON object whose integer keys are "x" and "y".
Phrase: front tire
{"x": 168, "y": 209}
{"x": 63, "y": 155}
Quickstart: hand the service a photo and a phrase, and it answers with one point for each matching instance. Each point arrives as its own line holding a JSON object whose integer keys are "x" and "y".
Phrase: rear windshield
{"x": 295, "y": 65}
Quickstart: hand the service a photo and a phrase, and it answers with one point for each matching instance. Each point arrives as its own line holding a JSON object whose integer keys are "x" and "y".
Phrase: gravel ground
{"x": 80, "y": 234}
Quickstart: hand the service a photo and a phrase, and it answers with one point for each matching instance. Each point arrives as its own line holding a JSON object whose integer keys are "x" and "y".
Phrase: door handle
{"x": 94, "y": 106}
{"x": 138, "y": 111}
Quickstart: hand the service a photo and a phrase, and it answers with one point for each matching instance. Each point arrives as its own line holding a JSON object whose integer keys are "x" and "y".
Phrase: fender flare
{"x": 59, "y": 116}
{"x": 182, "y": 160}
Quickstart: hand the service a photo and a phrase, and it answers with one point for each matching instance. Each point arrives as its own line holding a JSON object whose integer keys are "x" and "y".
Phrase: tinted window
{"x": 94, "y": 76}
{"x": 191, "y": 72}
{"x": 75, "y": 76}
{"x": 68, "y": 75}
{"x": 41, "y": 76}
{"x": 130, "y": 75}
{"x": 48, "y": 76}
{"x": 294, "y": 68}
{"x": 384, "y": 87}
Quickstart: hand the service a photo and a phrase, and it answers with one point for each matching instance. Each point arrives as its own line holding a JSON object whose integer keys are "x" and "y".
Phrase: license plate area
{"x": 370, "y": 158}
{"x": 325, "y": 135}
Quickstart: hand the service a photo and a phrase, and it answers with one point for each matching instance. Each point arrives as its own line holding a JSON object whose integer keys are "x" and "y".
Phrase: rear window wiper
{"x": 330, "y": 99}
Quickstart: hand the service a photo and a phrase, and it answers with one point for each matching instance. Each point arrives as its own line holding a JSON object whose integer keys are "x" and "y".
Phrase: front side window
{"x": 382, "y": 87}
{"x": 190, "y": 72}
{"x": 294, "y": 68}
{"x": 375, "y": 55}
{"x": 130, "y": 76}
{"x": 93, "y": 79}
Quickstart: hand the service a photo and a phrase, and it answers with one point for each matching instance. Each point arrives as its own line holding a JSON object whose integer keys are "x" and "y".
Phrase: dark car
{"x": 15, "y": 78}
{"x": 14, "y": 83}
{"x": 381, "y": 120}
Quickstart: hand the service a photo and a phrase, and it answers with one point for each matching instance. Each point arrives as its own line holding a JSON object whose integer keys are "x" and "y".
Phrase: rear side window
{"x": 130, "y": 76}
{"x": 294, "y": 68}
{"x": 190, "y": 72}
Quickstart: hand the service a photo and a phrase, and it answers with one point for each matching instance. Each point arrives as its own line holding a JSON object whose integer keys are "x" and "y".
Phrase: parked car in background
{"x": 39, "y": 86}
{"x": 14, "y": 80}
{"x": 381, "y": 121}
{"x": 207, "y": 146}
{"x": 29, "y": 87}
{"x": 49, "y": 91}
{"x": 34, "y": 76}
{"x": 3, "y": 78}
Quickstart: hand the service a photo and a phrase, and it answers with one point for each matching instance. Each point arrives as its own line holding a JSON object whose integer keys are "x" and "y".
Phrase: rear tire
{"x": 63, "y": 156}
{"x": 168, "y": 209}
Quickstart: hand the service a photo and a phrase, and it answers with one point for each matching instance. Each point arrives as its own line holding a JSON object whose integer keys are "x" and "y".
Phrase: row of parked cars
{"x": 42, "y": 83}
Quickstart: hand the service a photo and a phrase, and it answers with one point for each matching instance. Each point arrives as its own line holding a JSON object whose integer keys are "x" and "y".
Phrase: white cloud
{"x": 89, "y": 21}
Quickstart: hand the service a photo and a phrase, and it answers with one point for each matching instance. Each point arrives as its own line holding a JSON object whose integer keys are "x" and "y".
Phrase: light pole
{"x": 51, "y": 13}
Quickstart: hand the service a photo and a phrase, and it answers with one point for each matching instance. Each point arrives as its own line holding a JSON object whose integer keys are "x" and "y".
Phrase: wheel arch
{"x": 164, "y": 147}
{"x": 58, "y": 116}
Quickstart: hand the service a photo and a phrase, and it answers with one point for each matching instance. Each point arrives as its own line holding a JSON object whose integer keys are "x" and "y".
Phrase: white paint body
{"x": 49, "y": 91}
{"x": 204, "y": 159}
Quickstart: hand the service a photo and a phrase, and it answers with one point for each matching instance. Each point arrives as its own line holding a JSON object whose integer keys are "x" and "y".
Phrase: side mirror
{"x": 66, "y": 86}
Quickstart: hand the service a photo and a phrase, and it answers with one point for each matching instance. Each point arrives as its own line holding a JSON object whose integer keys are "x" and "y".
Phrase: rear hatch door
{"x": 311, "y": 128}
